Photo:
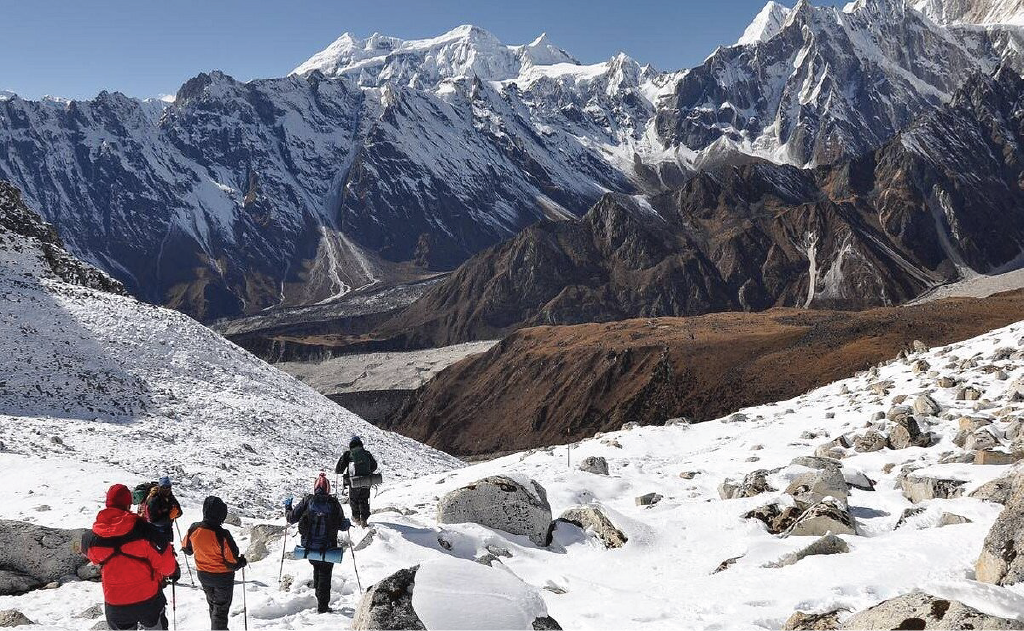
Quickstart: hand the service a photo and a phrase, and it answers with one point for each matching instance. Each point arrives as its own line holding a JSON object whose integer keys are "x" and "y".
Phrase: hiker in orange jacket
{"x": 217, "y": 559}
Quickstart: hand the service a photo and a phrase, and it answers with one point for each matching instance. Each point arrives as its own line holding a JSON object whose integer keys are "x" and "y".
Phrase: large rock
{"x": 926, "y": 405}
{"x": 388, "y": 604}
{"x": 998, "y": 490}
{"x": 754, "y": 483}
{"x": 500, "y": 502}
{"x": 776, "y": 517}
{"x": 452, "y": 593}
{"x": 827, "y": 516}
{"x": 918, "y": 488}
{"x": 980, "y": 439}
{"x": 593, "y": 519}
{"x": 812, "y": 487}
{"x": 32, "y": 556}
{"x": 13, "y": 618}
{"x": 906, "y": 432}
{"x": 1002, "y": 555}
{"x": 918, "y": 610}
{"x": 829, "y": 544}
{"x": 801, "y": 621}
{"x": 260, "y": 538}
{"x": 870, "y": 441}
{"x": 594, "y": 464}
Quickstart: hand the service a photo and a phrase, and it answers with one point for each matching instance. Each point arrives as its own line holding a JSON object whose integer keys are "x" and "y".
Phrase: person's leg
{"x": 223, "y": 595}
{"x": 364, "y": 506}
{"x": 154, "y": 614}
{"x": 322, "y": 584}
{"x": 116, "y": 619}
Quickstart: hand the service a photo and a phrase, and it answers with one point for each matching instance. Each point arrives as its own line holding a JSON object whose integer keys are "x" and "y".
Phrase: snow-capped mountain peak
{"x": 766, "y": 25}
{"x": 983, "y": 12}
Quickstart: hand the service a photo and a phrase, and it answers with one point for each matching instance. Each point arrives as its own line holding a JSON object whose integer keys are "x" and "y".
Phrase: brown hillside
{"x": 547, "y": 385}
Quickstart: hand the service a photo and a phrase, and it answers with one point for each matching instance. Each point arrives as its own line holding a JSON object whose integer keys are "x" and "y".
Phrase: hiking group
{"x": 135, "y": 549}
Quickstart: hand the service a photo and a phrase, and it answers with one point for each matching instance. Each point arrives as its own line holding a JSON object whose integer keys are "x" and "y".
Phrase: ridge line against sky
{"x": 147, "y": 49}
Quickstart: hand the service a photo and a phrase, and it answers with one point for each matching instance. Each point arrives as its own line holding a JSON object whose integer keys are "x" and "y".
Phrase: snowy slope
{"x": 104, "y": 379}
{"x": 664, "y": 577}
{"x": 983, "y": 12}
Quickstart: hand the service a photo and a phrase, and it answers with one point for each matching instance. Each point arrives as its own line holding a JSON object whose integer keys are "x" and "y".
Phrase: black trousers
{"x": 220, "y": 589}
{"x": 150, "y": 614}
{"x": 359, "y": 502}
{"x": 322, "y": 584}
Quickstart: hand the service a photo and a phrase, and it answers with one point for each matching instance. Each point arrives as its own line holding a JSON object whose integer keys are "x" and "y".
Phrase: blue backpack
{"x": 320, "y": 523}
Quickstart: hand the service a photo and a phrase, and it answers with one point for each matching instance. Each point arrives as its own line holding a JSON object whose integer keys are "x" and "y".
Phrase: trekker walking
{"x": 357, "y": 462}
{"x": 135, "y": 559}
{"x": 162, "y": 508}
{"x": 217, "y": 559}
{"x": 320, "y": 517}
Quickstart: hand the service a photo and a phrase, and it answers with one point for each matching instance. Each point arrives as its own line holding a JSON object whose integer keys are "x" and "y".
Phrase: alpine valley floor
{"x": 664, "y": 576}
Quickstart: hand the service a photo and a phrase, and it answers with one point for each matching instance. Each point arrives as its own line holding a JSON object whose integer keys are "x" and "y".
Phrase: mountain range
{"x": 381, "y": 161}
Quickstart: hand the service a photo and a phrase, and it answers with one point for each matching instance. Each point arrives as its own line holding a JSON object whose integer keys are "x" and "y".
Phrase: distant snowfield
{"x": 663, "y": 577}
{"x": 381, "y": 371}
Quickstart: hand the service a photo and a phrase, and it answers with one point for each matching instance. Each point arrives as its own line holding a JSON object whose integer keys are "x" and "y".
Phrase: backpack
{"x": 141, "y": 492}
{"x": 361, "y": 462}
{"x": 320, "y": 523}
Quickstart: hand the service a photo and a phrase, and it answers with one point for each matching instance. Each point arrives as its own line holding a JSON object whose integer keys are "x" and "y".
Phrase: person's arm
{"x": 342, "y": 463}
{"x": 163, "y": 562}
{"x": 232, "y": 558}
{"x": 186, "y": 543}
{"x": 294, "y": 514}
{"x": 175, "y": 509}
{"x": 373, "y": 462}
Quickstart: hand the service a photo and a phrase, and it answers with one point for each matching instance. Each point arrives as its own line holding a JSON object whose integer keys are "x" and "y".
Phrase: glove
{"x": 345, "y": 523}
{"x": 242, "y": 562}
{"x": 176, "y": 574}
{"x": 288, "y": 502}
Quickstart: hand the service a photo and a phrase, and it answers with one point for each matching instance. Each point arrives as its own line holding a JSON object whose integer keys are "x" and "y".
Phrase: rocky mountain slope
{"x": 880, "y": 501}
{"x": 939, "y": 202}
{"x": 545, "y": 385}
{"x": 380, "y": 160}
{"x": 103, "y": 379}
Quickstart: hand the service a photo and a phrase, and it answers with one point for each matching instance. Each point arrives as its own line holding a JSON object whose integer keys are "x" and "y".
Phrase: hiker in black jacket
{"x": 320, "y": 517}
{"x": 357, "y": 462}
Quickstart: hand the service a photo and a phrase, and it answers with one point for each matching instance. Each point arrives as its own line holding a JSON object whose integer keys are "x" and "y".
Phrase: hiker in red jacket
{"x": 135, "y": 559}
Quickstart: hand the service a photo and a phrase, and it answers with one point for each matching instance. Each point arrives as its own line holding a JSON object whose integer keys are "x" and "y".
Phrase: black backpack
{"x": 361, "y": 462}
{"x": 320, "y": 523}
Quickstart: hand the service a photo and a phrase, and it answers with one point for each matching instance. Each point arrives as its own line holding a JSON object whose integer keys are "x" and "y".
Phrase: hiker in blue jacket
{"x": 320, "y": 517}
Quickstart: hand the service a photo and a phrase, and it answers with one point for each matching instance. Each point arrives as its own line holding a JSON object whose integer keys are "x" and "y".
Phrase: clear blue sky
{"x": 75, "y": 48}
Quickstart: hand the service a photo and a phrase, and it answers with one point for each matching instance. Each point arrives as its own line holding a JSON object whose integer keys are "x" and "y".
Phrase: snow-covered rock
{"x": 1001, "y": 560}
{"x": 918, "y": 610}
{"x": 516, "y": 507}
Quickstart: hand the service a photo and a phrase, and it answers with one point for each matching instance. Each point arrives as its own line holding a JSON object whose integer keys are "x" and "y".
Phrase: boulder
{"x": 998, "y": 490}
{"x": 926, "y": 405}
{"x": 980, "y": 439}
{"x": 812, "y": 487}
{"x": 233, "y": 520}
{"x": 594, "y": 464}
{"x": 777, "y": 518}
{"x": 899, "y": 411}
{"x": 688, "y": 475}
{"x": 993, "y": 457}
{"x": 833, "y": 449}
{"x": 918, "y": 488}
{"x": 969, "y": 393}
{"x": 1002, "y": 555}
{"x": 869, "y": 441}
{"x": 920, "y": 366}
{"x": 947, "y": 382}
{"x": 951, "y": 519}
{"x": 33, "y": 556}
{"x": 971, "y": 423}
{"x": 754, "y": 483}
{"x": 801, "y": 621}
{"x": 648, "y": 499}
{"x": 827, "y": 516}
{"x": 907, "y": 433}
{"x": 388, "y": 604}
{"x": 500, "y": 502}
{"x": 828, "y": 544}
{"x": 919, "y": 346}
{"x": 13, "y": 618}
{"x": 817, "y": 462}
{"x": 593, "y": 519}
{"x": 260, "y": 538}
{"x": 918, "y": 610}
{"x": 908, "y": 514}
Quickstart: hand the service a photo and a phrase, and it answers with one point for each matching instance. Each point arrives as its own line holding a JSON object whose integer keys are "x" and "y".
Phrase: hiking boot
{"x": 325, "y": 610}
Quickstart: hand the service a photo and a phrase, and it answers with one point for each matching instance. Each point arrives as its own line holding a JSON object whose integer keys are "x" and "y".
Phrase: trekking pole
{"x": 245, "y": 605}
{"x": 190, "y": 579}
{"x": 174, "y": 607}
{"x": 354, "y": 566}
{"x": 284, "y": 546}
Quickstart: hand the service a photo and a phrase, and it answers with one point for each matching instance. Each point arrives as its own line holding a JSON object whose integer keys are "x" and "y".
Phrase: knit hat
{"x": 119, "y": 496}
{"x": 322, "y": 485}
{"x": 165, "y": 481}
{"x": 354, "y": 441}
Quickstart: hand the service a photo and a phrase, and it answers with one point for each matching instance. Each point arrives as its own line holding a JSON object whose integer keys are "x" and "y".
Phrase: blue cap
{"x": 165, "y": 481}
{"x": 355, "y": 440}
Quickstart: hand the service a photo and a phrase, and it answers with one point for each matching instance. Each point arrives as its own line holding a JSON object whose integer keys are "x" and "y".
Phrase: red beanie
{"x": 322, "y": 484}
{"x": 118, "y": 496}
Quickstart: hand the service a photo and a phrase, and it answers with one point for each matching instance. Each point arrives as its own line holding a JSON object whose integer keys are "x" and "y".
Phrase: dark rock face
{"x": 941, "y": 197}
{"x": 17, "y": 218}
{"x": 32, "y": 556}
{"x": 388, "y": 604}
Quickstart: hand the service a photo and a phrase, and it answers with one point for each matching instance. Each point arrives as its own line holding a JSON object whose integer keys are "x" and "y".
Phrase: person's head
{"x": 355, "y": 443}
{"x": 165, "y": 485}
{"x": 322, "y": 486}
{"x": 215, "y": 511}
{"x": 119, "y": 496}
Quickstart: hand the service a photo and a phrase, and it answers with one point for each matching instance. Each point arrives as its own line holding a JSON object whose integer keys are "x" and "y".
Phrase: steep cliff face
{"x": 941, "y": 201}
{"x": 381, "y": 160}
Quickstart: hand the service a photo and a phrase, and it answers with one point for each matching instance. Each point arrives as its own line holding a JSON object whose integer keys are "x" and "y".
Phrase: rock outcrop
{"x": 388, "y": 604}
{"x": 32, "y": 556}
{"x": 1002, "y": 555}
{"x": 918, "y": 610}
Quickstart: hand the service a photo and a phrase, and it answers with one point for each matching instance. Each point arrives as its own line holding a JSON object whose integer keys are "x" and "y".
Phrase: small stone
{"x": 801, "y": 621}
{"x": 648, "y": 499}
{"x": 950, "y": 519}
{"x": 947, "y": 382}
{"x": 594, "y": 464}
{"x": 689, "y": 475}
{"x": 920, "y": 347}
